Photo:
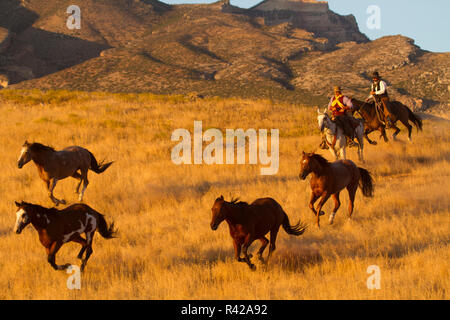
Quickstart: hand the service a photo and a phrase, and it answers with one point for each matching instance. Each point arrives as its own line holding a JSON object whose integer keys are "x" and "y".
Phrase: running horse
{"x": 374, "y": 121}
{"x": 56, "y": 227}
{"x": 250, "y": 222}
{"x": 55, "y": 165}
{"x": 328, "y": 179}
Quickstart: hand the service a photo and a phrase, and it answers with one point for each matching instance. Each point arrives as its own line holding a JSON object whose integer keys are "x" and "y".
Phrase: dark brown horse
{"x": 374, "y": 120}
{"x": 249, "y": 222}
{"x": 55, "y": 165}
{"x": 56, "y": 227}
{"x": 328, "y": 179}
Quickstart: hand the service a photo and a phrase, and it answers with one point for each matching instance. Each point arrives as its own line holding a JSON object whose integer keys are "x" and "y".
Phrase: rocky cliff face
{"x": 302, "y": 6}
{"x": 312, "y": 16}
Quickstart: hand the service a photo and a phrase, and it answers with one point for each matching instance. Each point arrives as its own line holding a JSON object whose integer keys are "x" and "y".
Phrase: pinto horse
{"x": 57, "y": 165}
{"x": 328, "y": 179}
{"x": 56, "y": 227}
{"x": 248, "y": 222}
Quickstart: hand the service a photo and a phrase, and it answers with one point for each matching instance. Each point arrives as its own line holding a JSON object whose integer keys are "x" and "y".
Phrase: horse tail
{"x": 96, "y": 167}
{"x": 414, "y": 119}
{"x": 366, "y": 182}
{"x": 294, "y": 230}
{"x": 107, "y": 232}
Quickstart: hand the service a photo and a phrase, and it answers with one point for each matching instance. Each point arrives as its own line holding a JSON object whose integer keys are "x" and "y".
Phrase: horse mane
{"x": 37, "y": 207}
{"x": 321, "y": 160}
{"x": 36, "y": 147}
{"x": 362, "y": 104}
{"x": 238, "y": 203}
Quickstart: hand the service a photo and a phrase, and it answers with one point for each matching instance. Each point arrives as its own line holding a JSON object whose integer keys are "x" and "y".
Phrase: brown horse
{"x": 328, "y": 179}
{"x": 248, "y": 222}
{"x": 56, "y": 165}
{"x": 56, "y": 227}
{"x": 400, "y": 113}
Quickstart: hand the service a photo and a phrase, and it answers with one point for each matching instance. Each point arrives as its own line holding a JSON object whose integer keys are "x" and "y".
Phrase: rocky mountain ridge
{"x": 289, "y": 53}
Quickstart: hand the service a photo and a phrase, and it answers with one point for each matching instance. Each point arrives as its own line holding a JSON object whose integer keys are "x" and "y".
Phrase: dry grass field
{"x": 165, "y": 248}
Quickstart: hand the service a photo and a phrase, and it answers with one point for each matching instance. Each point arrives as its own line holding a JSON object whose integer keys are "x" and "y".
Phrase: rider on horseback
{"x": 378, "y": 91}
{"x": 341, "y": 107}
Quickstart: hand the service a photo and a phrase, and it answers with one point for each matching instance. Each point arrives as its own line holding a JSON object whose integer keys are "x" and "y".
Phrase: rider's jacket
{"x": 339, "y": 105}
{"x": 380, "y": 89}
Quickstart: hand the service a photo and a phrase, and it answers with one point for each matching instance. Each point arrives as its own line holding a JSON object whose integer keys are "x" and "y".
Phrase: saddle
{"x": 355, "y": 122}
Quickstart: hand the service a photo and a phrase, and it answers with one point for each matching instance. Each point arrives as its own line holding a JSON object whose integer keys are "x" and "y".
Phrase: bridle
{"x": 362, "y": 106}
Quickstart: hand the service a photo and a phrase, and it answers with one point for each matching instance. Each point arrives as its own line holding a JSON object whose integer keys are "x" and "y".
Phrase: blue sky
{"x": 427, "y": 22}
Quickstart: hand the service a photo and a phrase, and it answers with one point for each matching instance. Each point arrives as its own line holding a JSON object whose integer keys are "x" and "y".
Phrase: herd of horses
{"x": 247, "y": 222}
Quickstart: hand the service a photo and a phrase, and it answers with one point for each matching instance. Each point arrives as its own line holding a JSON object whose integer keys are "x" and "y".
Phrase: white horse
{"x": 336, "y": 140}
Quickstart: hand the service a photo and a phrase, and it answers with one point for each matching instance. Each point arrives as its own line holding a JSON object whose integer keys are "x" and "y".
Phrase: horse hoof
{"x": 64, "y": 267}
{"x": 321, "y": 213}
{"x": 252, "y": 267}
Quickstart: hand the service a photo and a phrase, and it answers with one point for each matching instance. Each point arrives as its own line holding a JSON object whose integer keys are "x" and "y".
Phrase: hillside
{"x": 292, "y": 51}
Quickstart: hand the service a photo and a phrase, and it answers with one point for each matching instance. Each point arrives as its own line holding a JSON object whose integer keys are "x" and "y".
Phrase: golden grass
{"x": 166, "y": 249}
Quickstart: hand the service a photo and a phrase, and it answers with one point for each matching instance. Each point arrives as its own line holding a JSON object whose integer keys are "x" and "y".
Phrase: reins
{"x": 377, "y": 106}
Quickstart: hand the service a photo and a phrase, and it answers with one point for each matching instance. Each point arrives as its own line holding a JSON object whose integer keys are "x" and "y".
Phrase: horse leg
{"x": 360, "y": 139}
{"x": 343, "y": 153}
{"x": 397, "y": 131}
{"x": 351, "y": 198}
{"x": 312, "y": 201}
{"x": 85, "y": 184}
{"x": 51, "y": 255}
{"x": 86, "y": 257}
{"x": 89, "y": 238}
{"x": 80, "y": 240}
{"x": 409, "y": 132}
{"x": 383, "y": 133}
{"x": 360, "y": 151}
{"x": 273, "y": 239}
{"x": 366, "y": 135}
{"x": 264, "y": 243}
{"x": 78, "y": 176}
{"x": 337, "y": 204}
{"x": 408, "y": 126}
{"x": 333, "y": 152}
{"x": 247, "y": 242}
{"x": 52, "y": 186}
{"x": 342, "y": 142}
{"x": 237, "y": 250}
{"x": 319, "y": 212}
